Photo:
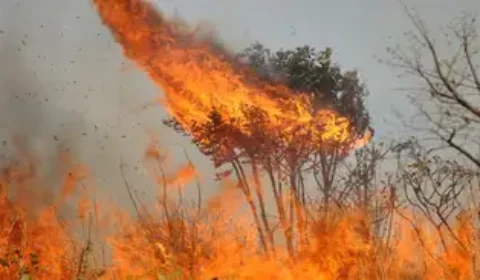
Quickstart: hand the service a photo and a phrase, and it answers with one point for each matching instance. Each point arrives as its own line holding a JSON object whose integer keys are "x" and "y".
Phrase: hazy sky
{"x": 62, "y": 76}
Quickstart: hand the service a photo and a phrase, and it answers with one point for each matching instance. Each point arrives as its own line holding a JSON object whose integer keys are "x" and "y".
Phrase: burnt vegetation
{"x": 434, "y": 172}
{"x": 399, "y": 209}
{"x": 286, "y": 163}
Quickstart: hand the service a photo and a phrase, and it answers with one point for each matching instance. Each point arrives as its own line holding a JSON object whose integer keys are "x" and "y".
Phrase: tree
{"x": 447, "y": 96}
{"x": 286, "y": 158}
{"x": 310, "y": 71}
{"x": 437, "y": 184}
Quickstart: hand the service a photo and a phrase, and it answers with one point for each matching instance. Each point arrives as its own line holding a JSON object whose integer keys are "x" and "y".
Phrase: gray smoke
{"x": 64, "y": 83}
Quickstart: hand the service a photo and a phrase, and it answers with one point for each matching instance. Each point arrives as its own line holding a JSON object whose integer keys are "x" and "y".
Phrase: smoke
{"x": 64, "y": 85}
{"x": 28, "y": 109}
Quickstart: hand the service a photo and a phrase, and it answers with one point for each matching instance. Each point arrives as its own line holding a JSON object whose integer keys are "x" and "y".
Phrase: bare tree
{"x": 448, "y": 91}
{"x": 437, "y": 172}
{"x": 433, "y": 185}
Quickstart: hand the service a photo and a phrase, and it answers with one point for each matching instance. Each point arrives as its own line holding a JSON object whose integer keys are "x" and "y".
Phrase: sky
{"x": 64, "y": 81}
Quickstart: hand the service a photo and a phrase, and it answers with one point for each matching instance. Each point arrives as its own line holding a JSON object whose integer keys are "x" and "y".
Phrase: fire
{"x": 199, "y": 78}
{"x": 33, "y": 240}
{"x": 213, "y": 239}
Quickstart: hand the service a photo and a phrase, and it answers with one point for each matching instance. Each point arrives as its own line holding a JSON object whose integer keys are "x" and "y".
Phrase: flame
{"x": 212, "y": 240}
{"x": 33, "y": 240}
{"x": 199, "y": 78}
{"x": 215, "y": 241}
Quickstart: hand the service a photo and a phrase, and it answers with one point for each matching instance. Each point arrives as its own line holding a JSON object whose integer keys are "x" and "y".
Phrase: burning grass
{"x": 260, "y": 128}
{"x": 175, "y": 241}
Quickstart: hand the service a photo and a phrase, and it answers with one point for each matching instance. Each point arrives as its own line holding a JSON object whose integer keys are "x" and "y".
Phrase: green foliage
{"x": 307, "y": 70}
{"x": 304, "y": 70}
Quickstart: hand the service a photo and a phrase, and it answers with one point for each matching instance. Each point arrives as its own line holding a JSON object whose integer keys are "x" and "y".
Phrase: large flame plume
{"x": 199, "y": 78}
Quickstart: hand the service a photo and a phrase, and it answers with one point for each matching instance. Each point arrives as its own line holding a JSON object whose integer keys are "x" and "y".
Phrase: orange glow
{"x": 216, "y": 240}
{"x": 62, "y": 234}
{"x": 198, "y": 78}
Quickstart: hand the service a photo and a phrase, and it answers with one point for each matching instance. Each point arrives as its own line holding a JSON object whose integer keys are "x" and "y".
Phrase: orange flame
{"x": 209, "y": 241}
{"x": 212, "y": 242}
{"x": 199, "y": 78}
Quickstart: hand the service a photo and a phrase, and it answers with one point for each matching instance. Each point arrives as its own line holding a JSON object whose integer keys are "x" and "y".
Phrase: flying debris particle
{"x": 292, "y": 30}
{"x": 55, "y": 137}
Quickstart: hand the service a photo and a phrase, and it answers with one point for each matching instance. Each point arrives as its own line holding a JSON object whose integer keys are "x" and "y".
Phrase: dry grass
{"x": 175, "y": 241}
